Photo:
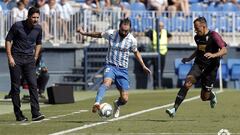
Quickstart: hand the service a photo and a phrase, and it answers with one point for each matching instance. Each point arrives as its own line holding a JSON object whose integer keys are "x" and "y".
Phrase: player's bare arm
{"x": 220, "y": 53}
{"x": 92, "y": 34}
{"x": 8, "y": 46}
{"x": 139, "y": 59}
{"x": 184, "y": 60}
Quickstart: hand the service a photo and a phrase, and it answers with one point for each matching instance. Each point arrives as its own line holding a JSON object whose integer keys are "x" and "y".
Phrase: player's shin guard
{"x": 121, "y": 102}
{"x": 180, "y": 97}
{"x": 101, "y": 92}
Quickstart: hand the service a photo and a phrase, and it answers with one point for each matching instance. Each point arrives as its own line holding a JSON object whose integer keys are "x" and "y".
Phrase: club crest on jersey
{"x": 202, "y": 47}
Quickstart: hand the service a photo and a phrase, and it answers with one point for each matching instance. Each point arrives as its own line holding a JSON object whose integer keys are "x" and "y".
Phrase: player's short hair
{"x": 33, "y": 10}
{"x": 125, "y": 21}
{"x": 201, "y": 19}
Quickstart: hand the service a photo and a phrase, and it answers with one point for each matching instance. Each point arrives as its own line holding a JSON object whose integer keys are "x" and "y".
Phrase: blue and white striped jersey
{"x": 118, "y": 50}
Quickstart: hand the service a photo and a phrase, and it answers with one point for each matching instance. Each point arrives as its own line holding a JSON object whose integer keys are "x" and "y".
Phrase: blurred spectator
{"x": 164, "y": 37}
{"x": 51, "y": 12}
{"x": 91, "y": 5}
{"x": 19, "y": 12}
{"x": 66, "y": 14}
{"x": 178, "y": 5}
{"x": 158, "y": 5}
{"x": 7, "y": 5}
{"x": 26, "y": 3}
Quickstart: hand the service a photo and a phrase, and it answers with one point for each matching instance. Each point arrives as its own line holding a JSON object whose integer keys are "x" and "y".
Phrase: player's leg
{"x": 208, "y": 80}
{"x": 192, "y": 78}
{"x": 29, "y": 73}
{"x": 15, "y": 75}
{"x": 108, "y": 78}
{"x": 122, "y": 84}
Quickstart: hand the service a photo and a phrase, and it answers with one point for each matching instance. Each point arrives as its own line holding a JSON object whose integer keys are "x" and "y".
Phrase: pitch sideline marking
{"x": 52, "y": 117}
{"x": 123, "y": 117}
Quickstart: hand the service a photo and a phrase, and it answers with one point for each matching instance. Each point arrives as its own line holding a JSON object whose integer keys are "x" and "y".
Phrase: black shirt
{"x": 211, "y": 42}
{"x": 24, "y": 38}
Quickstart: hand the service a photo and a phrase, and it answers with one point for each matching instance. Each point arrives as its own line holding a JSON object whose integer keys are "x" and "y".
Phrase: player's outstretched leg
{"x": 100, "y": 94}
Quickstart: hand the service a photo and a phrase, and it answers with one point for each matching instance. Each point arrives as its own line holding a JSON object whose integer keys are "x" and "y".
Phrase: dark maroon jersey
{"x": 211, "y": 42}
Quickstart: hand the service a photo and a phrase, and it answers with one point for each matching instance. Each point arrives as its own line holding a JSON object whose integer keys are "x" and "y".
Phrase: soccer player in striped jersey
{"x": 121, "y": 43}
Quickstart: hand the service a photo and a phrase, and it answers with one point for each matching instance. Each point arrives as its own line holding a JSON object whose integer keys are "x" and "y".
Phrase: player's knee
{"x": 204, "y": 97}
{"x": 189, "y": 82}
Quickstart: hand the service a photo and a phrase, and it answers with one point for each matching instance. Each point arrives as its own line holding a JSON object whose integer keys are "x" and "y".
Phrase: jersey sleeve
{"x": 39, "y": 37}
{"x": 134, "y": 45}
{"x": 107, "y": 34}
{"x": 11, "y": 33}
{"x": 218, "y": 39}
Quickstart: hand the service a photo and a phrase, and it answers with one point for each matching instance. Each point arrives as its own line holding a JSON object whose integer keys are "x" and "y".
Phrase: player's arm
{"x": 184, "y": 60}
{"x": 221, "y": 44}
{"x": 91, "y": 34}
{"x": 8, "y": 46}
{"x": 37, "y": 51}
{"x": 38, "y": 45}
{"x": 140, "y": 60}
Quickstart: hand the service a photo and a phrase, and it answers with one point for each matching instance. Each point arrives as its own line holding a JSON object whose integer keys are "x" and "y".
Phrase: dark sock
{"x": 120, "y": 102}
{"x": 211, "y": 96}
{"x": 180, "y": 97}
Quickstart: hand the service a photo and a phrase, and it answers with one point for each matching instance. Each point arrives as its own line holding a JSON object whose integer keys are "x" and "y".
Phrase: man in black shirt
{"x": 22, "y": 38}
{"x": 210, "y": 47}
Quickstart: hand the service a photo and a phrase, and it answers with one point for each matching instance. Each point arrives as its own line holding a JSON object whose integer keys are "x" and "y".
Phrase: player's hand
{"x": 209, "y": 55}
{"x": 11, "y": 62}
{"x": 146, "y": 70}
{"x": 184, "y": 60}
{"x": 80, "y": 30}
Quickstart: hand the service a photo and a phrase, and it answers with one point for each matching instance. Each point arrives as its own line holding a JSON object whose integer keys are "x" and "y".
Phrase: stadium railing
{"x": 59, "y": 31}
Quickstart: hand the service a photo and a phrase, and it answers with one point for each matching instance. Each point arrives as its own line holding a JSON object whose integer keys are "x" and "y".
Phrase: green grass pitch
{"x": 192, "y": 117}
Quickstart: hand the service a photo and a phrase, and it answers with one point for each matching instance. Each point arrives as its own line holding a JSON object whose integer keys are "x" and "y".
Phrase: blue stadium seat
{"x": 229, "y": 6}
{"x": 80, "y": 1}
{"x": 177, "y": 62}
{"x": 183, "y": 70}
{"x": 137, "y": 6}
{"x": 231, "y": 62}
{"x": 235, "y": 75}
{"x": 213, "y": 7}
{"x": 197, "y": 7}
{"x": 126, "y": 5}
{"x": 193, "y": 1}
{"x": 224, "y": 72}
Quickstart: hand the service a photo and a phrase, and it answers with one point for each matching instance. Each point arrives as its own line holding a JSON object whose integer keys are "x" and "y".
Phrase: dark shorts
{"x": 207, "y": 75}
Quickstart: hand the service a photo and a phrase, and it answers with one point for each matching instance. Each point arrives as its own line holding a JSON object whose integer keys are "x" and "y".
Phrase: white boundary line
{"x": 122, "y": 117}
{"x": 50, "y": 118}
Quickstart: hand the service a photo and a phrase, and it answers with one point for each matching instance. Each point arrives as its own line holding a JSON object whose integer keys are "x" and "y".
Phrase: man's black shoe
{"x": 22, "y": 118}
{"x": 7, "y": 96}
{"x": 37, "y": 118}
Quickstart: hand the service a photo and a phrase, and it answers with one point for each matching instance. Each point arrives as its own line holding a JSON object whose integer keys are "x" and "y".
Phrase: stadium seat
{"x": 125, "y": 5}
{"x": 137, "y": 6}
{"x": 177, "y": 62}
{"x": 183, "y": 70}
{"x": 229, "y": 6}
{"x": 224, "y": 72}
{"x": 197, "y": 7}
{"x": 231, "y": 62}
{"x": 235, "y": 75}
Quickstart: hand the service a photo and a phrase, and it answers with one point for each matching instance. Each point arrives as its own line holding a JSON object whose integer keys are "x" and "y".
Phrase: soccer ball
{"x": 105, "y": 110}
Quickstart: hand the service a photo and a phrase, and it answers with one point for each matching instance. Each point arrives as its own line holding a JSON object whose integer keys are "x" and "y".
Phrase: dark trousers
{"x": 25, "y": 66}
{"x": 42, "y": 81}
